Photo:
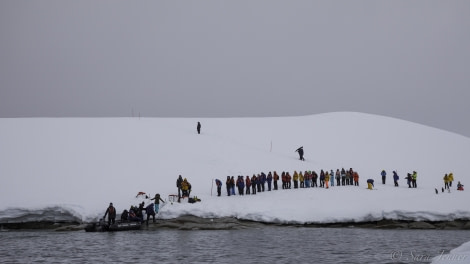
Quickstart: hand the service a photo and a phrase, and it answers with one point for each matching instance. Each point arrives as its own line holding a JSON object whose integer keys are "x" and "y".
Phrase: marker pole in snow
{"x": 271, "y": 149}
{"x": 212, "y": 186}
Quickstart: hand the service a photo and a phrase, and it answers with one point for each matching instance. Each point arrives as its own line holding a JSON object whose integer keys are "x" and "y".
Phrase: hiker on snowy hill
{"x": 446, "y": 181}
{"x": 227, "y": 184}
{"x": 254, "y": 183}
{"x": 232, "y": 185}
{"x": 218, "y": 183}
{"x": 451, "y": 179}
{"x": 338, "y": 178}
{"x": 327, "y": 179}
{"x": 198, "y": 127}
{"x": 332, "y": 178}
{"x": 111, "y": 212}
{"x": 248, "y": 184}
{"x": 275, "y": 179}
{"x": 296, "y": 180}
{"x": 185, "y": 187}
{"x": 288, "y": 180}
{"x": 395, "y": 178}
{"x": 370, "y": 184}
{"x": 301, "y": 152}
{"x": 240, "y": 185}
{"x": 343, "y": 177}
{"x": 308, "y": 178}
{"x": 284, "y": 180}
{"x": 269, "y": 179}
{"x": 408, "y": 179}
{"x": 384, "y": 175}
{"x": 262, "y": 181}
{"x": 314, "y": 179}
{"x": 356, "y": 178}
{"x": 322, "y": 179}
{"x": 414, "y": 178}
{"x": 178, "y": 185}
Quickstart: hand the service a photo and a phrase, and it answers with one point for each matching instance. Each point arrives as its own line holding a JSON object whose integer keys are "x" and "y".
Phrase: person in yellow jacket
{"x": 446, "y": 181}
{"x": 185, "y": 187}
{"x": 296, "y": 180}
{"x": 327, "y": 179}
{"x": 301, "y": 179}
{"x": 451, "y": 179}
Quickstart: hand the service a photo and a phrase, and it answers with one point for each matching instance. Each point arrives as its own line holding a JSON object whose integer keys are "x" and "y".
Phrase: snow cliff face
{"x": 85, "y": 163}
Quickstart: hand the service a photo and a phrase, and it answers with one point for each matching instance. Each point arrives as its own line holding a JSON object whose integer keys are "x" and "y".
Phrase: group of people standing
{"x": 257, "y": 183}
{"x": 135, "y": 213}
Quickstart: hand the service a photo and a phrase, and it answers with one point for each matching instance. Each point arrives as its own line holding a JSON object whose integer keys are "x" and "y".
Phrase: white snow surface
{"x": 457, "y": 255}
{"x": 81, "y": 164}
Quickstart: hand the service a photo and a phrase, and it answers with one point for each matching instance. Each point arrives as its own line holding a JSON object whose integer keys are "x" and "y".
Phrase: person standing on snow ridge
{"x": 262, "y": 181}
{"x": 338, "y": 178}
{"x": 446, "y": 181}
{"x": 343, "y": 176}
{"x": 395, "y": 178}
{"x": 356, "y": 178}
{"x": 254, "y": 183}
{"x": 269, "y": 179}
{"x": 408, "y": 179}
{"x": 295, "y": 177}
{"x": 198, "y": 127}
{"x": 227, "y": 185}
{"x": 332, "y": 178}
{"x": 451, "y": 179}
{"x": 218, "y": 183}
{"x": 301, "y": 152}
{"x": 232, "y": 185}
{"x": 248, "y": 184}
{"x": 275, "y": 179}
{"x": 178, "y": 185}
{"x": 414, "y": 178}
{"x": 384, "y": 175}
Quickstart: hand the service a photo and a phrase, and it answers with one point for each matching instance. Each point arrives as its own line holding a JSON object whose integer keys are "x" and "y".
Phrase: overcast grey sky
{"x": 405, "y": 59}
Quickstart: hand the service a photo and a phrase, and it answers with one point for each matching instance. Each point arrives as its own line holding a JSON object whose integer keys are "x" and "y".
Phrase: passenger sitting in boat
{"x": 139, "y": 210}
{"x": 124, "y": 215}
{"x": 133, "y": 217}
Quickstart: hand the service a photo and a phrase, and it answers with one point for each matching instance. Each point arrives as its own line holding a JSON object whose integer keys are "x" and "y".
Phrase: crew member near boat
{"x": 111, "y": 213}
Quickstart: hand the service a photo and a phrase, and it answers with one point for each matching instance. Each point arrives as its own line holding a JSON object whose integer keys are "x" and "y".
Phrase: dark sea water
{"x": 268, "y": 244}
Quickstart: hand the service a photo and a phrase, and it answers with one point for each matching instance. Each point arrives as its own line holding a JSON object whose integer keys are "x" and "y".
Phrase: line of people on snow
{"x": 307, "y": 179}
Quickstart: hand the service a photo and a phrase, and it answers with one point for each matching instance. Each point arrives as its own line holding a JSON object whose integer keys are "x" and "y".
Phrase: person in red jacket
{"x": 248, "y": 184}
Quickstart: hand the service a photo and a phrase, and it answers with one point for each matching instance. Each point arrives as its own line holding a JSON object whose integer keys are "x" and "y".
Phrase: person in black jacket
{"x": 178, "y": 185}
{"x": 111, "y": 213}
{"x": 198, "y": 127}
{"x": 301, "y": 153}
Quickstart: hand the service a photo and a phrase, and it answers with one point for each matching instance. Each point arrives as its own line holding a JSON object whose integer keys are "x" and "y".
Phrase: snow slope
{"x": 82, "y": 164}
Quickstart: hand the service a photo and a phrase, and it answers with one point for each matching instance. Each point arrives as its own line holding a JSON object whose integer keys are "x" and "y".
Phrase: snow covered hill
{"x": 82, "y": 164}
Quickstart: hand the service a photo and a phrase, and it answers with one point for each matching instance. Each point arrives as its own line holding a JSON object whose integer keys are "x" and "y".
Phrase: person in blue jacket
{"x": 269, "y": 179}
{"x": 240, "y": 185}
{"x": 384, "y": 175}
{"x": 395, "y": 178}
{"x": 262, "y": 181}
{"x": 219, "y": 186}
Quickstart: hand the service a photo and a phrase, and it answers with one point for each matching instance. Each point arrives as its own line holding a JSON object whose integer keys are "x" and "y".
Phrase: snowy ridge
{"x": 48, "y": 214}
{"x": 73, "y": 167}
